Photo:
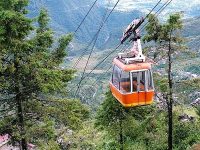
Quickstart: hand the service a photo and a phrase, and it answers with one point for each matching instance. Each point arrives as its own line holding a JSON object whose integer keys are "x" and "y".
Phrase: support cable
{"x": 158, "y": 12}
{"x": 92, "y": 49}
{"x": 116, "y": 47}
{"x": 85, "y": 17}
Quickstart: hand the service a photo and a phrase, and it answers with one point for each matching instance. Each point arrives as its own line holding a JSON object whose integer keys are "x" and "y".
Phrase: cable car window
{"x": 150, "y": 80}
{"x": 134, "y": 79}
{"x": 141, "y": 85}
{"x": 125, "y": 84}
{"x": 116, "y": 76}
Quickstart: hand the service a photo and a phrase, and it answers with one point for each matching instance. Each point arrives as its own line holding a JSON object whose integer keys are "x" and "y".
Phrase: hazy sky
{"x": 190, "y": 7}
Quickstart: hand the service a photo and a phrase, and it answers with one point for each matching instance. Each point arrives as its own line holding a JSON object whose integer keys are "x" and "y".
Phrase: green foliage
{"x": 160, "y": 83}
{"x": 70, "y": 113}
{"x": 186, "y": 133}
{"x": 187, "y": 87}
{"x": 160, "y": 34}
{"x": 6, "y": 125}
{"x": 143, "y": 128}
{"x": 43, "y": 21}
{"x": 17, "y": 5}
{"x": 60, "y": 51}
{"x": 51, "y": 145}
{"x": 193, "y": 83}
{"x": 110, "y": 145}
{"x": 117, "y": 120}
{"x": 86, "y": 138}
{"x": 153, "y": 29}
{"x": 198, "y": 110}
{"x": 33, "y": 83}
{"x": 51, "y": 116}
{"x": 45, "y": 130}
{"x": 135, "y": 145}
{"x": 111, "y": 111}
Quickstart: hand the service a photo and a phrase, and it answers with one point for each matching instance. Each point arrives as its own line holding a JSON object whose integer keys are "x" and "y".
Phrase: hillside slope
{"x": 67, "y": 14}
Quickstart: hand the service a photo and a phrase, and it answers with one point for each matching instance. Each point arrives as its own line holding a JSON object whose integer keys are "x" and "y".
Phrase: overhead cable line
{"x": 122, "y": 50}
{"x": 95, "y": 43}
{"x": 96, "y": 35}
{"x": 83, "y": 77}
{"x": 101, "y": 76}
{"x": 114, "y": 49}
{"x": 119, "y": 44}
{"x": 84, "y": 51}
{"x": 158, "y": 12}
{"x": 76, "y": 63}
{"x": 152, "y": 9}
{"x": 146, "y": 17}
{"x": 162, "y": 8}
{"x": 99, "y": 63}
{"x": 94, "y": 38}
{"x": 85, "y": 16}
{"x": 104, "y": 19}
{"x": 96, "y": 66}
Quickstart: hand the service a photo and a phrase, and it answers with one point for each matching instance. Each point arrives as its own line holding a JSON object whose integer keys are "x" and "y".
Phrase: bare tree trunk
{"x": 170, "y": 99}
{"x": 18, "y": 99}
{"x": 21, "y": 122}
{"x": 121, "y": 140}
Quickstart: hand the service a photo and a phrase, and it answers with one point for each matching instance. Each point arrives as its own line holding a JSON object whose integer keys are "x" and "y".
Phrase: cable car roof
{"x": 134, "y": 66}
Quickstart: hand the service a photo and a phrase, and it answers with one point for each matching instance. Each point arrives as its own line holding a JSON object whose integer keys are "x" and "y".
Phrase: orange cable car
{"x": 132, "y": 82}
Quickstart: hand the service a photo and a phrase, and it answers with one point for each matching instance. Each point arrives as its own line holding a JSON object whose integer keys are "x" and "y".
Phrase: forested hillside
{"x": 55, "y": 74}
{"x": 66, "y": 15}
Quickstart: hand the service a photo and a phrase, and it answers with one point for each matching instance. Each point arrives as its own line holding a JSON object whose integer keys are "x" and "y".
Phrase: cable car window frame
{"x": 126, "y": 79}
{"x": 119, "y": 72}
{"x": 142, "y": 81}
{"x": 136, "y": 89}
{"x": 146, "y": 89}
{"x": 131, "y": 80}
{"x": 150, "y": 77}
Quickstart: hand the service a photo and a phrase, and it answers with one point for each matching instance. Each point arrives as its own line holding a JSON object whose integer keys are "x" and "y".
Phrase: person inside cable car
{"x": 141, "y": 80}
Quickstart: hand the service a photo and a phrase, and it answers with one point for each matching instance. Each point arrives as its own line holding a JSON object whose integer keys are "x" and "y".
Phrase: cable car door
{"x": 141, "y": 87}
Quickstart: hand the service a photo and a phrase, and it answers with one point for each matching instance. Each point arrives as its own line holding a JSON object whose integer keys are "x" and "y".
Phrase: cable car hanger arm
{"x": 136, "y": 52}
{"x": 131, "y": 29}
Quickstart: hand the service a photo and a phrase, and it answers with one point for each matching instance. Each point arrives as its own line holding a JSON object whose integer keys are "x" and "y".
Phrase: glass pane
{"x": 141, "y": 85}
{"x": 116, "y": 76}
{"x": 134, "y": 78}
{"x": 125, "y": 84}
{"x": 150, "y": 80}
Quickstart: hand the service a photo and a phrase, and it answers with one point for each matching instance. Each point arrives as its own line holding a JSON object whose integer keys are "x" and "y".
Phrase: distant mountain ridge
{"x": 67, "y": 14}
{"x": 190, "y": 8}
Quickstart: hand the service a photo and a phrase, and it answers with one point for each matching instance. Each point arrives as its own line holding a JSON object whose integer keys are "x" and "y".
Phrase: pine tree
{"x": 121, "y": 123}
{"x": 31, "y": 80}
{"x": 168, "y": 36}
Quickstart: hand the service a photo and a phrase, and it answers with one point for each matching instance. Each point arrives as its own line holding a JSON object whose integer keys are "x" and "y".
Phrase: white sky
{"x": 187, "y": 6}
